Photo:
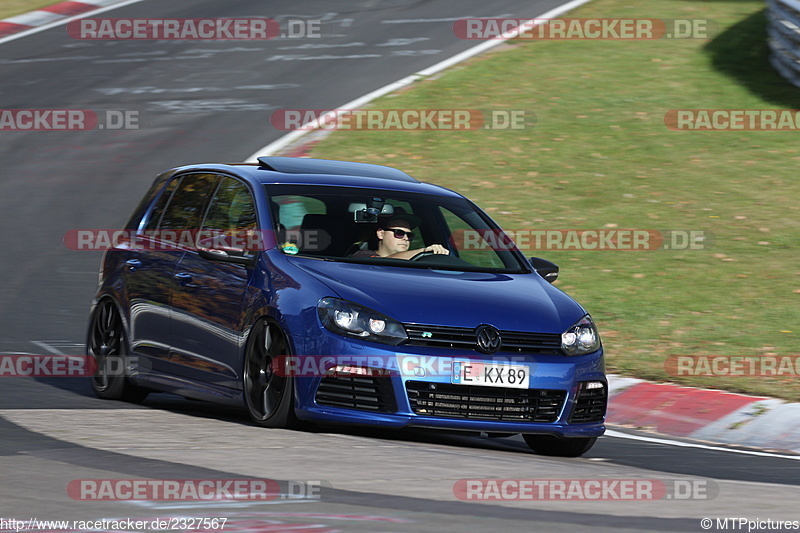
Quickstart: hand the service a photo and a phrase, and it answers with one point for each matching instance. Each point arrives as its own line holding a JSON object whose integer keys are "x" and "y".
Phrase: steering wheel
{"x": 422, "y": 255}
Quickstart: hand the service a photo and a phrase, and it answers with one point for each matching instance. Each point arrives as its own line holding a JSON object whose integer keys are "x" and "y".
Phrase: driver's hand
{"x": 437, "y": 249}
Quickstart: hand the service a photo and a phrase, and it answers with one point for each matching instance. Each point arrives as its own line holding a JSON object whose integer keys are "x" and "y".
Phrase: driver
{"x": 394, "y": 239}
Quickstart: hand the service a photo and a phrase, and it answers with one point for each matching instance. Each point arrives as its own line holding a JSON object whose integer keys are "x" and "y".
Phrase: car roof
{"x": 306, "y": 171}
{"x": 299, "y": 165}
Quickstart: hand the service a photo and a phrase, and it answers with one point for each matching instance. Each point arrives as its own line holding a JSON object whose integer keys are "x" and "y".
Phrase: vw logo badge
{"x": 488, "y": 339}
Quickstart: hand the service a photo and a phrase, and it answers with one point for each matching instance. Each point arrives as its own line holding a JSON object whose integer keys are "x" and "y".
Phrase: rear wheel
{"x": 269, "y": 395}
{"x": 108, "y": 344}
{"x": 559, "y": 447}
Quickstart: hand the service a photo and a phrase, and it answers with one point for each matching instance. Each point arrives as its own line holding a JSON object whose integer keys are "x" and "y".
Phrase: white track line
{"x": 291, "y": 137}
{"x": 47, "y": 347}
{"x": 669, "y": 442}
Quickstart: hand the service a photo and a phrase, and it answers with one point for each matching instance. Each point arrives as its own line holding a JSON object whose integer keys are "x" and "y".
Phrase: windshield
{"x": 343, "y": 223}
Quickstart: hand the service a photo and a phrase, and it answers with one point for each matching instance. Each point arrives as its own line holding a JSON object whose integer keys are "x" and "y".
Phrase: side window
{"x": 188, "y": 202}
{"x": 469, "y": 243}
{"x": 155, "y": 215}
{"x": 293, "y": 209}
{"x": 231, "y": 208}
{"x": 303, "y": 224}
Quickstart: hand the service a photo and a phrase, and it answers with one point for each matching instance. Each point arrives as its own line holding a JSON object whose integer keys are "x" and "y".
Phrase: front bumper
{"x": 397, "y": 386}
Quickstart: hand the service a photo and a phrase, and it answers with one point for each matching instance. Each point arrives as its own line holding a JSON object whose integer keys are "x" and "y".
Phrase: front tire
{"x": 559, "y": 447}
{"x": 269, "y": 396}
{"x": 108, "y": 344}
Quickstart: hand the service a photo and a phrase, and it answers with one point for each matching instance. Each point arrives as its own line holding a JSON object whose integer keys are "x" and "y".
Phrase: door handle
{"x": 184, "y": 279}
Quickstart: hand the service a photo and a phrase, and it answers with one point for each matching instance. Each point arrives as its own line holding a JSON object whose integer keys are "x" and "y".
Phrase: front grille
{"x": 484, "y": 403}
{"x": 366, "y": 393}
{"x": 464, "y": 339}
{"x": 590, "y": 405}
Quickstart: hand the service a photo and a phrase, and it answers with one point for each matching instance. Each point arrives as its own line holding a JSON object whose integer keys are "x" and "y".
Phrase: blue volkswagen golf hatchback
{"x": 326, "y": 291}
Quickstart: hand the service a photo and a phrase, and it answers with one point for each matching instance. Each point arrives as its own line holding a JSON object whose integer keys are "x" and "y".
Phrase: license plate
{"x": 490, "y": 375}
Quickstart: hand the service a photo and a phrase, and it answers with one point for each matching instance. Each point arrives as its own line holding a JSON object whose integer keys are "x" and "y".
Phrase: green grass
{"x": 9, "y": 8}
{"x": 601, "y": 156}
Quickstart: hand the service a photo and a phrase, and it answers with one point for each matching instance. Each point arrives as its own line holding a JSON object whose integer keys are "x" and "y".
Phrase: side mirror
{"x": 547, "y": 269}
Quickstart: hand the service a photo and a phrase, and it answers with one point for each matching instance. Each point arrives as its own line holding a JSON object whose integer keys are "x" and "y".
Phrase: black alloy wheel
{"x": 108, "y": 344}
{"x": 268, "y": 392}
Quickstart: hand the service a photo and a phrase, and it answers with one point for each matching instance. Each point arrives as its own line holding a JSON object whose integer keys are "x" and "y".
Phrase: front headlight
{"x": 580, "y": 339}
{"x": 353, "y": 320}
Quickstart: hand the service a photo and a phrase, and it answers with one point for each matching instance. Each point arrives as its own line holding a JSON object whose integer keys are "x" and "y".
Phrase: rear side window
{"x": 231, "y": 208}
{"x": 292, "y": 209}
{"x": 155, "y": 215}
{"x": 188, "y": 202}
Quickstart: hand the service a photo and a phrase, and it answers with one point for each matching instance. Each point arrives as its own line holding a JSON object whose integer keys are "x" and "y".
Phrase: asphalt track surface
{"x": 211, "y": 101}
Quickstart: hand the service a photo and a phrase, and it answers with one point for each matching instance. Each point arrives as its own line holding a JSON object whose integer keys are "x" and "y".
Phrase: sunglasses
{"x": 400, "y": 233}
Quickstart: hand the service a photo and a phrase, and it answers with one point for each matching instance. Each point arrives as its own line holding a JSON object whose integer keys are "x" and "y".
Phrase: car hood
{"x": 513, "y": 302}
